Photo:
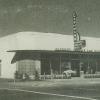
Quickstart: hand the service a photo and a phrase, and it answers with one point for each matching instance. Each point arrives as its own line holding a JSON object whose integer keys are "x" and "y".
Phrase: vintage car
{"x": 69, "y": 73}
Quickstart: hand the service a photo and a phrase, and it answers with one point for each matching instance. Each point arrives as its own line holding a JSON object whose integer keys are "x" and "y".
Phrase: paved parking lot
{"x": 68, "y": 89}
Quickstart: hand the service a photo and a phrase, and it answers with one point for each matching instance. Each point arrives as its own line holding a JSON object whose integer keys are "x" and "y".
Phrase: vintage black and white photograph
{"x": 49, "y": 49}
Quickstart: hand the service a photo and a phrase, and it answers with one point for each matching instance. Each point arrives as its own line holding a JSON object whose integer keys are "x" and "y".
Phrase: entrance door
{"x": 45, "y": 67}
{"x": 75, "y": 66}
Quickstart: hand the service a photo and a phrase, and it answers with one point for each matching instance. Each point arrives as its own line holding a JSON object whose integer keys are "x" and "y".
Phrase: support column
{"x": 69, "y": 65}
{"x": 81, "y": 71}
{"x": 96, "y": 66}
{"x": 88, "y": 69}
{"x": 50, "y": 67}
{"x": 60, "y": 64}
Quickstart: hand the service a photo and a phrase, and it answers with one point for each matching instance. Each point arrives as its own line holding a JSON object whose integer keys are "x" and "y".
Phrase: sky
{"x": 50, "y": 16}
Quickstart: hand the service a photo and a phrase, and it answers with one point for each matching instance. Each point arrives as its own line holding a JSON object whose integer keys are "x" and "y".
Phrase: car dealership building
{"x": 28, "y": 52}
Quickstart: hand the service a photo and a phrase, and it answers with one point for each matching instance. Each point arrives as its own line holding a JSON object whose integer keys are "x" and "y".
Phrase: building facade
{"x": 28, "y": 52}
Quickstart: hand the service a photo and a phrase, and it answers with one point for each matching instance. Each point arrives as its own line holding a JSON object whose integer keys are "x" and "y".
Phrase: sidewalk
{"x": 57, "y": 82}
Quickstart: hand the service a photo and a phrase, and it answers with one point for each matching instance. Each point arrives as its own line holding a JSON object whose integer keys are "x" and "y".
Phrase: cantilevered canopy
{"x": 36, "y": 54}
{"x": 21, "y": 55}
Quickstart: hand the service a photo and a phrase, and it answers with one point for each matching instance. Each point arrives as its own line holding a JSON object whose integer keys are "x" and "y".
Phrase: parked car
{"x": 69, "y": 73}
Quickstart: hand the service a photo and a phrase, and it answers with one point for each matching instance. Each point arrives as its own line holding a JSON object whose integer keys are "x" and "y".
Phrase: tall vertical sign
{"x": 78, "y": 43}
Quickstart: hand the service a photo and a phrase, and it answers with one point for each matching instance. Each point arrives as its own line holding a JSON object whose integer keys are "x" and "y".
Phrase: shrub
{"x": 92, "y": 76}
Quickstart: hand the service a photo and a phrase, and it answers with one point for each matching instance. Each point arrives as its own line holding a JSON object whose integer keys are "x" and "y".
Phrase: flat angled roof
{"x": 58, "y": 52}
{"x": 28, "y": 53}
